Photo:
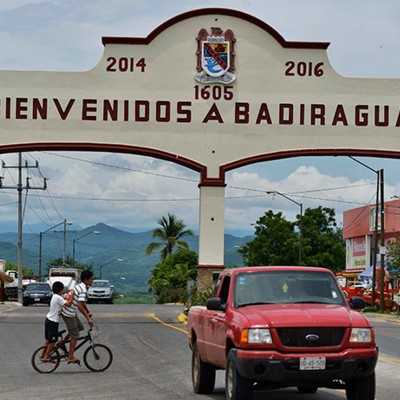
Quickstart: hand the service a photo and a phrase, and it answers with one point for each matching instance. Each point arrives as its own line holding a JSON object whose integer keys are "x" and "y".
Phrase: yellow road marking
{"x": 122, "y": 314}
{"x": 392, "y": 359}
{"x": 168, "y": 325}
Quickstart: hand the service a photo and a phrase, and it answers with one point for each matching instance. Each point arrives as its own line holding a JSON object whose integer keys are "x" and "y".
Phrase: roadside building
{"x": 359, "y": 234}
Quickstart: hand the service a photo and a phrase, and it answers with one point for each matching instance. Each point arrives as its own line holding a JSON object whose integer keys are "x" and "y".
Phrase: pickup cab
{"x": 274, "y": 327}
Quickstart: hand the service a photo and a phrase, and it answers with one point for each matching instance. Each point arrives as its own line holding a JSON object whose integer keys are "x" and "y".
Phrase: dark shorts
{"x": 50, "y": 330}
{"x": 74, "y": 325}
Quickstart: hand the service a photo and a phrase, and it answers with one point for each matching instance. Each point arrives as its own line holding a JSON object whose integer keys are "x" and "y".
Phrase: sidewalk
{"x": 8, "y": 306}
{"x": 394, "y": 318}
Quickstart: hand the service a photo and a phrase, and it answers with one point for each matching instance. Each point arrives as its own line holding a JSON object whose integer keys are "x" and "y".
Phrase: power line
{"x": 19, "y": 187}
{"x": 193, "y": 180}
{"x": 295, "y": 194}
{"x": 120, "y": 167}
{"x": 305, "y": 191}
{"x": 109, "y": 199}
{"x": 49, "y": 194}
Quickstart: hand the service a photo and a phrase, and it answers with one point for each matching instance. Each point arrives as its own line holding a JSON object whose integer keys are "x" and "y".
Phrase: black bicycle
{"x": 97, "y": 357}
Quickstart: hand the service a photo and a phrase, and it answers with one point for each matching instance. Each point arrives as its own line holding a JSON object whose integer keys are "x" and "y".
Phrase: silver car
{"x": 100, "y": 291}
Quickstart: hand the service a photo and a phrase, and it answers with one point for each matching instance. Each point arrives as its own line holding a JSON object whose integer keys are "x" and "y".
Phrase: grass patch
{"x": 135, "y": 298}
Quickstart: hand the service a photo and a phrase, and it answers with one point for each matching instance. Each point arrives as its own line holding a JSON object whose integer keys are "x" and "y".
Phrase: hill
{"x": 103, "y": 249}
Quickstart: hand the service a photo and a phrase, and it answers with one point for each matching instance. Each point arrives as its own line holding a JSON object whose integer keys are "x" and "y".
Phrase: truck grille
{"x": 311, "y": 337}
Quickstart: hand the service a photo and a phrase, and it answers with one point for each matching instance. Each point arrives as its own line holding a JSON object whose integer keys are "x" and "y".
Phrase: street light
{"x": 65, "y": 222}
{"x": 78, "y": 238}
{"x": 103, "y": 265}
{"x": 379, "y": 183}
{"x": 300, "y": 220}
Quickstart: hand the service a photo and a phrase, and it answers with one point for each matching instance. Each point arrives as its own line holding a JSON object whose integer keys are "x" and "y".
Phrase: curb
{"x": 182, "y": 318}
{"x": 383, "y": 317}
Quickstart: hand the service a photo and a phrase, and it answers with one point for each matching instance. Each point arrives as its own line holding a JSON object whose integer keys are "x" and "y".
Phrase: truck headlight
{"x": 256, "y": 335}
{"x": 361, "y": 335}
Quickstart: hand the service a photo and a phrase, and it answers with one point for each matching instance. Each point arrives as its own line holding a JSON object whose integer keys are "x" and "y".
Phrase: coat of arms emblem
{"x": 215, "y": 56}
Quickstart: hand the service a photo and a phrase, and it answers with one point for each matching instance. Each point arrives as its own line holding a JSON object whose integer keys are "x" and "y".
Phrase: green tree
{"x": 170, "y": 234}
{"x": 393, "y": 257}
{"x": 69, "y": 262}
{"x": 276, "y": 241}
{"x": 14, "y": 267}
{"x": 170, "y": 277}
{"x": 323, "y": 243}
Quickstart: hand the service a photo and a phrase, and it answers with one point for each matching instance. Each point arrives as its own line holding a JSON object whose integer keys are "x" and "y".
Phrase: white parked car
{"x": 101, "y": 290}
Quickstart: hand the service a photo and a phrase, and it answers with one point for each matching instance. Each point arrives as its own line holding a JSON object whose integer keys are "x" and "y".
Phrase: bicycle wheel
{"x": 45, "y": 367}
{"x": 97, "y": 357}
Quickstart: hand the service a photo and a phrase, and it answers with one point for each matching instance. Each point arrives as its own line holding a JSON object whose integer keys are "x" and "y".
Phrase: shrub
{"x": 199, "y": 298}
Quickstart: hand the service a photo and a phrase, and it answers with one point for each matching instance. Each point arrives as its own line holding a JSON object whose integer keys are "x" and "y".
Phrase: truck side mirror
{"x": 215, "y": 303}
{"x": 357, "y": 303}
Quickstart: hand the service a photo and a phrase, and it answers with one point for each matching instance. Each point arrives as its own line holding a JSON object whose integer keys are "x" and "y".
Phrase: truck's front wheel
{"x": 361, "y": 388}
{"x": 203, "y": 374}
{"x": 236, "y": 387}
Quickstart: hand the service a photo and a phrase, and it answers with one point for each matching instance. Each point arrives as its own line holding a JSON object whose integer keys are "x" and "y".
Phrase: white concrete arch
{"x": 210, "y": 89}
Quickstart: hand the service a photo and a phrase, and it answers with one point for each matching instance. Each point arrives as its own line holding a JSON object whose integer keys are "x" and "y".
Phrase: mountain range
{"x": 104, "y": 250}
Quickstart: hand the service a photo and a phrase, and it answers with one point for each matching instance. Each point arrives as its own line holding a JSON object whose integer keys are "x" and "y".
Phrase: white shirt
{"x": 56, "y": 304}
{"x": 79, "y": 295}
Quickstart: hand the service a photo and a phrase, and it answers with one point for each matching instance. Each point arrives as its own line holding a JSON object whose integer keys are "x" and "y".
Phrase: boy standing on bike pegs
{"x": 70, "y": 317}
{"x": 53, "y": 317}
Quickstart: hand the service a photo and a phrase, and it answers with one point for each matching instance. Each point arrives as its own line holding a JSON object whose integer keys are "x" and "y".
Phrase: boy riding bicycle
{"x": 53, "y": 317}
{"x": 70, "y": 317}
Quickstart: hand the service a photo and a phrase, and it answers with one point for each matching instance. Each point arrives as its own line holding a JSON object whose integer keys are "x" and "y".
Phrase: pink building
{"x": 359, "y": 230}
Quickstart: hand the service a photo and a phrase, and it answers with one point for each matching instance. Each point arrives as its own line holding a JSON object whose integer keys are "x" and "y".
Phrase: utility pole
{"x": 20, "y": 188}
{"x": 65, "y": 242}
{"x": 379, "y": 175}
{"x": 382, "y": 248}
{"x": 65, "y": 222}
{"x": 64, "y": 231}
{"x": 375, "y": 241}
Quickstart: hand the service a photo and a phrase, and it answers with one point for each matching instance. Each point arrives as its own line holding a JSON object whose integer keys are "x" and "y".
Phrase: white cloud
{"x": 363, "y": 33}
{"x": 305, "y": 185}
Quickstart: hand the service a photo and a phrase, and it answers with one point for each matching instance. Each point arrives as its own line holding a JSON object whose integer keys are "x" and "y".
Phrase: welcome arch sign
{"x": 210, "y": 89}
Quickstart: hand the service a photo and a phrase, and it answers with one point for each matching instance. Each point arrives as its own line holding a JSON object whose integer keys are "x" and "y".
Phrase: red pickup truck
{"x": 274, "y": 327}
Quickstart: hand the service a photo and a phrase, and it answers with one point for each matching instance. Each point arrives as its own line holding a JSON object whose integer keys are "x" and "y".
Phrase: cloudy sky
{"x": 132, "y": 192}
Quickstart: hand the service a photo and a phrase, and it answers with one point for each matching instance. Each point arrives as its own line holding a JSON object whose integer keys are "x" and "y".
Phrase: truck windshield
{"x": 277, "y": 287}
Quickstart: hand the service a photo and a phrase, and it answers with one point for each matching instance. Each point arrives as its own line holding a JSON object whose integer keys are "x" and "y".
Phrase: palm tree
{"x": 170, "y": 235}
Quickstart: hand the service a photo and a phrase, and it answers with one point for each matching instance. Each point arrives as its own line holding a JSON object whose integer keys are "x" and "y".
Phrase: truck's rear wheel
{"x": 361, "y": 388}
{"x": 203, "y": 374}
{"x": 236, "y": 387}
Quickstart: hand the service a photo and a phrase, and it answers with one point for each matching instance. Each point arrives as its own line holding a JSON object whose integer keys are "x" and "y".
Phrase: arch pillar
{"x": 211, "y": 233}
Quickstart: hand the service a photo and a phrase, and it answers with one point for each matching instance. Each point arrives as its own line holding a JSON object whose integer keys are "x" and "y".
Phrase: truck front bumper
{"x": 271, "y": 366}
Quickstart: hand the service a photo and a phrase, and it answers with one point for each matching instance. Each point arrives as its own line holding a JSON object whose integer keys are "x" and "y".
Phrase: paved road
{"x": 151, "y": 359}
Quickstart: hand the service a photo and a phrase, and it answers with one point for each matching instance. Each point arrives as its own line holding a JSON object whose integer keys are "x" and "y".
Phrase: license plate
{"x": 312, "y": 363}
{"x": 37, "y": 299}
